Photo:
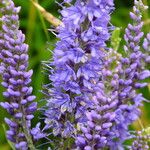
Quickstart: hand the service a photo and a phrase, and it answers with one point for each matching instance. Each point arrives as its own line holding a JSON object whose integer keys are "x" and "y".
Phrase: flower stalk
{"x": 48, "y": 16}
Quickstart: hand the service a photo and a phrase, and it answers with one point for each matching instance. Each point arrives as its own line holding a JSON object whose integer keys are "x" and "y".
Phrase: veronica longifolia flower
{"x": 77, "y": 63}
{"x": 141, "y": 141}
{"x": 117, "y": 94}
{"x": 131, "y": 75}
{"x": 16, "y": 78}
{"x": 146, "y": 46}
{"x": 97, "y": 132}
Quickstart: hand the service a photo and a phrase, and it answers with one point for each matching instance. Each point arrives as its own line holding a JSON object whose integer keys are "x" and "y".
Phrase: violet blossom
{"x": 77, "y": 61}
{"x": 119, "y": 79}
{"x": 140, "y": 141}
{"x": 131, "y": 77}
{"x": 16, "y": 79}
{"x": 146, "y": 47}
{"x": 97, "y": 132}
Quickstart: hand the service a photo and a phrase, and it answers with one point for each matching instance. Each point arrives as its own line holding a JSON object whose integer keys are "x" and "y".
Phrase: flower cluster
{"x": 97, "y": 132}
{"x": 131, "y": 75}
{"x": 146, "y": 47}
{"x": 16, "y": 79}
{"x": 141, "y": 141}
{"x": 117, "y": 96}
{"x": 77, "y": 63}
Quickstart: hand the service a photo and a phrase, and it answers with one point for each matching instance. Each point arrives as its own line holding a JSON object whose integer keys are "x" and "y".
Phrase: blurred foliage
{"x": 40, "y": 40}
{"x": 115, "y": 39}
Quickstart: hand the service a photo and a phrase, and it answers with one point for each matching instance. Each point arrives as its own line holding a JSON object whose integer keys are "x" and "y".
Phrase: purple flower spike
{"x": 146, "y": 46}
{"x": 141, "y": 141}
{"x": 16, "y": 78}
{"x": 117, "y": 101}
{"x": 97, "y": 131}
{"x": 131, "y": 75}
{"x": 77, "y": 61}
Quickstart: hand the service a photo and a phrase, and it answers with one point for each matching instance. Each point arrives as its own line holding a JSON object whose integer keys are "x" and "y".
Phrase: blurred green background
{"x": 40, "y": 40}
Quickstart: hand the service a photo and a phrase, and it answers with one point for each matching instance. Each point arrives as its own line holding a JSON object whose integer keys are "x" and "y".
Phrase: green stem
{"x": 43, "y": 24}
{"x": 67, "y": 144}
{"x": 27, "y": 133}
{"x": 31, "y": 24}
{"x": 140, "y": 123}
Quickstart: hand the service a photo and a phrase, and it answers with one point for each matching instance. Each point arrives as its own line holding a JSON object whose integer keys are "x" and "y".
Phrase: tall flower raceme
{"x": 117, "y": 102}
{"x": 146, "y": 47}
{"x": 77, "y": 63}
{"x": 133, "y": 72}
{"x": 16, "y": 79}
{"x": 97, "y": 132}
{"x": 141, "y": 141}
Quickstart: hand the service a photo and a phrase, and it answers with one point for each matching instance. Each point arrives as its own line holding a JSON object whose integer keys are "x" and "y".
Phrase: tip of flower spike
{"x": 140, "y": 4}
{"x": 10, "y": 6}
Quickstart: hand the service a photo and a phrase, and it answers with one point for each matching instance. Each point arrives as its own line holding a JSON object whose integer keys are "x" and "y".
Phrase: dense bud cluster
{"x": 77, "y": 63}
{"x": 16, "y": 78}
{"x": 141, "y": 141}
{"x": 129, "y": 75}
{"x": 97, "y": 132}
{"x": 146, "y": 47}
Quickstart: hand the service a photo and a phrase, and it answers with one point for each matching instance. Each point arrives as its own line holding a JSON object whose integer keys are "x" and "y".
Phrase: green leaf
{"x": 115, "y": 39}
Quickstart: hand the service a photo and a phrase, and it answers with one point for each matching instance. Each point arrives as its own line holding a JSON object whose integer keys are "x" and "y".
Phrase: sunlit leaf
{"x": 115, "y": 39}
